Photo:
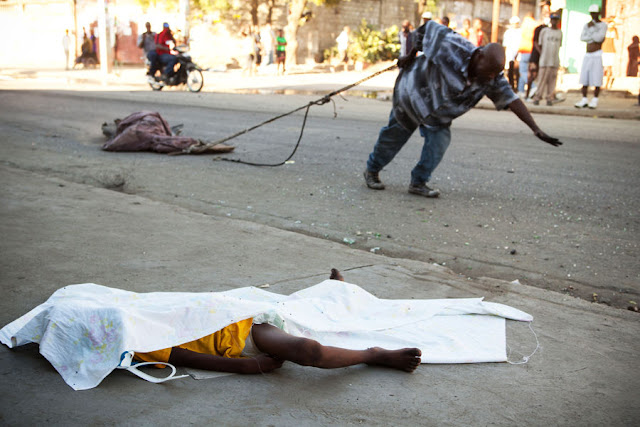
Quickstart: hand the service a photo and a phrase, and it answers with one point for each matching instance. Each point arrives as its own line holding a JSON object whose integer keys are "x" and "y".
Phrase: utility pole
{"x": 515, "y": 8}
{"x": 184, "y": 13}
{"x": 75, "y": 29}
{"x": 495, "y": 20}
{"x": 105, "y": 37}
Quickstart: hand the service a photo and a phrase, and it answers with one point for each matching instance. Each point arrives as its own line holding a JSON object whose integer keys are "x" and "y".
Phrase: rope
{"x": 320, "y": 101}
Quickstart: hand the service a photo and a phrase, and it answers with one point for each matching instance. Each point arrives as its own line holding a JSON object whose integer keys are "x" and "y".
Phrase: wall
{"x": 321, "y": 31}
{"x": 626, "y": 14}
{"x": 216, "y": 44}
{"x": 34, "y": 33}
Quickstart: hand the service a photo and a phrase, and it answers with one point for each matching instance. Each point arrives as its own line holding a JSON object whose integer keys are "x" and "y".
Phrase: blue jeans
{"x": 169, "y": 61}
{"x": 152, "y": 56}
{"x": 393, "y": 137}
{"x": 524, "y": 70}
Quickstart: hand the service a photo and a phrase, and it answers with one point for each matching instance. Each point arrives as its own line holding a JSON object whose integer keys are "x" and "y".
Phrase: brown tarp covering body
{"x": 149, "y": 131}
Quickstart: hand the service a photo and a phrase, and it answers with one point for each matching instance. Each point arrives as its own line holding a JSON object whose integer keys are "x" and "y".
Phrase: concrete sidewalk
{"x": 56, "y": 233}
{"x": 620, "y": 102}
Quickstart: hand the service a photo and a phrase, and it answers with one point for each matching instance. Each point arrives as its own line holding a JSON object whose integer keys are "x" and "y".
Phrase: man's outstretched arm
{"x": 520, "y": 110}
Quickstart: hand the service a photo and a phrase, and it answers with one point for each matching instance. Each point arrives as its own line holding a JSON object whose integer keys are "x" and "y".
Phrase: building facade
{"x": 36, "y": 27}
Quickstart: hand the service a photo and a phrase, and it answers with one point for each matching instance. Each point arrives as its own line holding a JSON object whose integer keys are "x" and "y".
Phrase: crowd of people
{"x": 89, "y": 49}
{"x": 532, "y": 52}
{"x": 522, "y": 48}
{"x": 263, "y": 47}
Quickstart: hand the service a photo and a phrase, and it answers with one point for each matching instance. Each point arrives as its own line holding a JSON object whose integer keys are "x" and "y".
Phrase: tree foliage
{"x": 166, "y": 4}
{"x": 235, "y": 16}
{"x": 370, "y": 45}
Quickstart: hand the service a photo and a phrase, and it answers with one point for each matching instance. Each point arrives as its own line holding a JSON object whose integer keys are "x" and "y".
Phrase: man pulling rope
{"x": 445, "y": 82}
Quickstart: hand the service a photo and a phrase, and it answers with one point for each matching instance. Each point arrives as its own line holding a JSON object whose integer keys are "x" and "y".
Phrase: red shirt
{"x": 162, "y": 39}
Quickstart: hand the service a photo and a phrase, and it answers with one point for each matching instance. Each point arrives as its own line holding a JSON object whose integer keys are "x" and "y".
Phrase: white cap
{"x": 427, "y": 15}
{"x": 514, "y": 20}
{"x": 594, "y": 8}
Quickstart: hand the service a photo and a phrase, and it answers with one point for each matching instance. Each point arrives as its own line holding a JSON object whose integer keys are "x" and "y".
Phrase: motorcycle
{"x": 187, "y": 73}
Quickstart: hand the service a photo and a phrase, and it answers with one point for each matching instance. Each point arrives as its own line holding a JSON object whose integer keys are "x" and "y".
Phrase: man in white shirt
{"x": 66, "y": 41}
{"x": 593, "y": 33}
{"x": 550, "y": 40}
{"x": 343, "y": 44}
{"x": 268, "y": 40}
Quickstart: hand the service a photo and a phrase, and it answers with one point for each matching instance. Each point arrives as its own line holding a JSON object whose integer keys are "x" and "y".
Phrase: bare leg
{"x": 596, "y": 92}
{"x": 306, "y": 352}
{"x": 584, "y": 91}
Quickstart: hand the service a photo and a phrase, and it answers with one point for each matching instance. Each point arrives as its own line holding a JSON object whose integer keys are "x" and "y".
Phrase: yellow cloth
{"x": 227, "y": 342}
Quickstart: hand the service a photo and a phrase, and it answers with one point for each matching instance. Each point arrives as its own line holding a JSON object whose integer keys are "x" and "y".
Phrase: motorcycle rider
{"x": 163, "y": 53}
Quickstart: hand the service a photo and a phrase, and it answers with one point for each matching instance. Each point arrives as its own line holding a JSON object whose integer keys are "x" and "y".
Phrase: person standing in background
{"x": 634, "y": 53}
{"x": 406, "y": 43}
{"x": 526, "y": 46}
{"x": 466, "y": 29}
{"x": 632, "y": 66}
{"x": 511, "y": 43}
{"x": 426, "y": 17}
{"x": 268, "y": 39}
{"x": 609, "y": 53}
{"x": 66, "y": 41}
{"x": 257, "y": 45}
{"x": 343, "y": 44}
{"x": 147, "y": 42}
{"x": 477, "y": 35}
{"x": 534, "y": 58}
{"x": 281, "y": 52}
{"x": 550, "y": 40}
{"x": 593, "y": 33}
{"x": 248, "y": 49}
{"x": 94, "y": 45}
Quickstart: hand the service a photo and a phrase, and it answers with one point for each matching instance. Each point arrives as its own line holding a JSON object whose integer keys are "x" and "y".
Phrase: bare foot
{"x": 405, "y": 359}
{"x": 335, "y": 275}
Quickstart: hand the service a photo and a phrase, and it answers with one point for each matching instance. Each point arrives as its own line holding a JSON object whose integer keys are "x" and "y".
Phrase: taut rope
{"x": 306, "y": 107}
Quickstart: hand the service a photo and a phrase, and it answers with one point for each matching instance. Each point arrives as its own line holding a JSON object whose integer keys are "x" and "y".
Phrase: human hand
{"x": 405, "y": 61}
{"x": 265, "y": 363}
{"x": 548, "y": 139}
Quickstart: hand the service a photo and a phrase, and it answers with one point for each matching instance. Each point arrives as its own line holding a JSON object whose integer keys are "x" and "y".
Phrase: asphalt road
{"x": 570, "y": 213}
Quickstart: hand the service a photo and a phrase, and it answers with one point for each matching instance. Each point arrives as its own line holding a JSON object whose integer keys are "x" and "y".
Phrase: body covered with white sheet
{"x": 84, "y": 329}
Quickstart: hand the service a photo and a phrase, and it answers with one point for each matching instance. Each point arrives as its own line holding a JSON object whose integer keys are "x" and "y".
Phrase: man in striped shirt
{"x": 432, "y": 89}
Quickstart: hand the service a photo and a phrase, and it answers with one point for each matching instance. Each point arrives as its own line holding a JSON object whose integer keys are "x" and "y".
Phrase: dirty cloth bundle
{"x": 84, "y": 329}
{"x": 149, "y": 131}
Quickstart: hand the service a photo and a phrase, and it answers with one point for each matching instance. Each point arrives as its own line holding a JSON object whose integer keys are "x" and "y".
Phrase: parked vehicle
{"x": 187, "y": 73}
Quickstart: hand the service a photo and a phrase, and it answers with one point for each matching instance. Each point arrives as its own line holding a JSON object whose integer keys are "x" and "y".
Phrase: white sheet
{"x": 83, "y": 329}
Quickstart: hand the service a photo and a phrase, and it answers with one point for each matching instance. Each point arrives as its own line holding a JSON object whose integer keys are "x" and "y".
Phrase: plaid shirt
{"x": 435, "y": 88}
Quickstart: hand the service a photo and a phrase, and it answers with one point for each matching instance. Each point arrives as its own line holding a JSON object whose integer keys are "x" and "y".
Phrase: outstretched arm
{"x": 523, "y": 114}
{"x": 254, "y": 365}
